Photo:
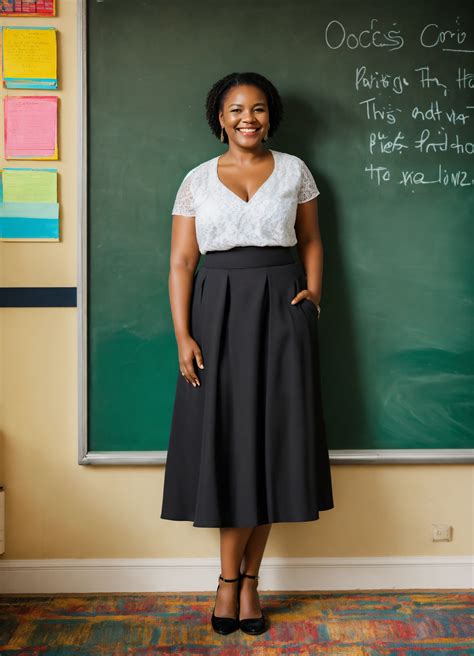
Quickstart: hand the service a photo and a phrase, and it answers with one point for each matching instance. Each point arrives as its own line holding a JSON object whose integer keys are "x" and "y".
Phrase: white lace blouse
{"x": 224, "y": 220}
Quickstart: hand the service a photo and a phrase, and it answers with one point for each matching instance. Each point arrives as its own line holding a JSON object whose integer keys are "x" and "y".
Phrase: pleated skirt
{"x": 248, "y": 446}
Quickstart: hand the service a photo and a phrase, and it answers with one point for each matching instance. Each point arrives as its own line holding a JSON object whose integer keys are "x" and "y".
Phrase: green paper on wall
{"x": 30, "y": 185}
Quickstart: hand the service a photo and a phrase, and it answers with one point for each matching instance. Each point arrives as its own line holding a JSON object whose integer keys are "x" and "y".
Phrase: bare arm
{"x": 184, "y": 258}
{"x": 310, "y": 249}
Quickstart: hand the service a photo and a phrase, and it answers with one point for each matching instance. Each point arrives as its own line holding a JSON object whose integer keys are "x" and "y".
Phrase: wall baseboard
{"x": 201, "y": 574}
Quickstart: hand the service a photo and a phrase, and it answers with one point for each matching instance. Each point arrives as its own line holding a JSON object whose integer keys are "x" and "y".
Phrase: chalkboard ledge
{"x": 337, "y": 457}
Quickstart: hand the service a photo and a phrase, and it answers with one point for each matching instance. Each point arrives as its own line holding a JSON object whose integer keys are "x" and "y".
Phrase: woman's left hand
{"x": 305, "y": 293}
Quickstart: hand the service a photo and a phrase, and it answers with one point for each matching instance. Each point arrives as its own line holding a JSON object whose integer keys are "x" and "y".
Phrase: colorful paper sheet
{"x": 31, "y": 127}
{"x": 30, "y": 58}
{"x": 30, "y": 185}
{"x": 27, "y": 8}
{"x": 29, "y": 220}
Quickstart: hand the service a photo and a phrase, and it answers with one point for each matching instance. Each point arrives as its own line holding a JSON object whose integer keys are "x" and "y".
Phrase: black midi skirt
{"x": 248, "y": 446}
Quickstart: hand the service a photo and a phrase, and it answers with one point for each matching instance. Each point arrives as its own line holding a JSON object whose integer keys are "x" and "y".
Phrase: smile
{"x": 248, "y": 131}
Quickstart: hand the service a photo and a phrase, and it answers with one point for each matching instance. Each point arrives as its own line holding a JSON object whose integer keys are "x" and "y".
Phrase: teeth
{"x": 247, "y": 129}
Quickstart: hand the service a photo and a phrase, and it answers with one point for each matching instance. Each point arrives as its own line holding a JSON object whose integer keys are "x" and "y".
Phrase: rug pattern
{"x": 362, "y": 623}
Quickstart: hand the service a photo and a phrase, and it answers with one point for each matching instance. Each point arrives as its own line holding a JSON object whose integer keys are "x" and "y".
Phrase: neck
{"x": 245, "y": 155}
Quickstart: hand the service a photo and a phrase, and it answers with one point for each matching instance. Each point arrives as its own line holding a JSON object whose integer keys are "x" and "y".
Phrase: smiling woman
{"x": 248, "y": 443}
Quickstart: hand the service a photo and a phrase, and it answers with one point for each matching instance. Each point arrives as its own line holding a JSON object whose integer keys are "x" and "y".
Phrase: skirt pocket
{"x": 310, "y": 307}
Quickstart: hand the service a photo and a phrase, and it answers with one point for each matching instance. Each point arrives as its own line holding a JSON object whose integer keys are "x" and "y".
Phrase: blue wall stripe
{"x": 38, "y": 296}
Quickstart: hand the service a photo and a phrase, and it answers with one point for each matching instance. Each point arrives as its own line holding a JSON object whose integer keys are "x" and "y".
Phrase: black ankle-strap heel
{"x": 225, "y": 625}
{"x": 252, "y": 625}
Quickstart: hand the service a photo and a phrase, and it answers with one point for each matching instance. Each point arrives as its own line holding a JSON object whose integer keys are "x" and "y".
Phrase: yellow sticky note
{"x": 29, "y": 186}
{"x": 29, "y": 53}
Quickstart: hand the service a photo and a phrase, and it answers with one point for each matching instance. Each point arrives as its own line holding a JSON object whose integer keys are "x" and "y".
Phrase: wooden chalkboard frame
{"x": 87, "y": 457}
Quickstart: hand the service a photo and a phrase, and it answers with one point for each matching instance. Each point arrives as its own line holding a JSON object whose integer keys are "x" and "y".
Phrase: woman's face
{"x": 245, "y": 106}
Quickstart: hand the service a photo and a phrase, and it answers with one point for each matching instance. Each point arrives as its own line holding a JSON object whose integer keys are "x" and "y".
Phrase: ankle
{"x": 229, "y": 580}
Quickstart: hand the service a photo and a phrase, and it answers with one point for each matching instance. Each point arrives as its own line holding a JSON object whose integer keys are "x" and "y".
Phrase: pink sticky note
{"x": 31, "y": 127}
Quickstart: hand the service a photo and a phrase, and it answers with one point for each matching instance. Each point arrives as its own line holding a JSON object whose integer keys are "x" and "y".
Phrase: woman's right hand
{"x": 188, "y": 349}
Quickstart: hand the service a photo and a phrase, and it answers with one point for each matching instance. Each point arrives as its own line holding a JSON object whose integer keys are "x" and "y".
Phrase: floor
{"x": 398, "y": 623}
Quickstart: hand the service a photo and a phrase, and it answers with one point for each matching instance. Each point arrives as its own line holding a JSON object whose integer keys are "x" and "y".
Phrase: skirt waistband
{"x": 242, "y": 257}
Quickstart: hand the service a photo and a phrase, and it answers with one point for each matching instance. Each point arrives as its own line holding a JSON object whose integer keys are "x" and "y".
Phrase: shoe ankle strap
{"x": 250, "y": 576}
{"x": 228, "y": 580}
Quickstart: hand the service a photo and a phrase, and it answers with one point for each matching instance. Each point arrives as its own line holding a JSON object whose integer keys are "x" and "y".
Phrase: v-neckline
{"x": 246, "y": 202}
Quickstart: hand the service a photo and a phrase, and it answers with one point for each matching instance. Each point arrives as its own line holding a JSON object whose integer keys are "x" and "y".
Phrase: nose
{"x": 249, "y": 119}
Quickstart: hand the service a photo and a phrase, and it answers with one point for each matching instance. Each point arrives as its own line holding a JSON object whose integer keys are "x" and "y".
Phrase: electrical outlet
{"x": 442, "y": 532}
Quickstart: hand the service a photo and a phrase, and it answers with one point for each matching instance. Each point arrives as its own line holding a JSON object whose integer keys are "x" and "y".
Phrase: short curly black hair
{"x": 215, "y": 97}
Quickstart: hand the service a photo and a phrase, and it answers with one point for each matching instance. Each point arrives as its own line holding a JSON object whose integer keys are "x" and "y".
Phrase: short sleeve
{"x": 184, "y": 201}
{"x": 308, "y": 189}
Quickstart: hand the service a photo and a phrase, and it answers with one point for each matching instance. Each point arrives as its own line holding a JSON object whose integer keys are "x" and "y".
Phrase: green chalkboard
{"x": 379, "y": 102}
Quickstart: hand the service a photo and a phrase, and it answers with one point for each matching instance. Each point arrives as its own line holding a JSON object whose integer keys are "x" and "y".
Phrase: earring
{"x": 266, "y": 133}
{"x": 222, "y": 133}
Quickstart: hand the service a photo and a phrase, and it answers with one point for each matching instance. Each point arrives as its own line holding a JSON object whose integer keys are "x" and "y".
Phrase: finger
{"x": 199, "y": 360}
{"x": 299, "y": 296}
{"x": 191, "y": 374}
{"x": 182, "y": 368}
{"x": 185, "y": 370}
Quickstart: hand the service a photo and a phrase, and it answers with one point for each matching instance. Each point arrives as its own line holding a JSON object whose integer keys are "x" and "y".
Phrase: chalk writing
{"x": 420, "y": 113}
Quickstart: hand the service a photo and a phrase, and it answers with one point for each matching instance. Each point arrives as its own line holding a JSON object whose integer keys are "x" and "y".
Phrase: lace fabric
{"x": 308, "y": 189}
{"x": 224, "y": 220}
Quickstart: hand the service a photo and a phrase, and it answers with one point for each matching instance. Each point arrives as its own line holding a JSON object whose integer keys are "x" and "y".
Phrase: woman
{"x": 247, "y": 445}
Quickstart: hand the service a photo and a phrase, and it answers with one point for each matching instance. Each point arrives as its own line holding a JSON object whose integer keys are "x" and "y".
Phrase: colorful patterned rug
{"x": 362, "y": 623}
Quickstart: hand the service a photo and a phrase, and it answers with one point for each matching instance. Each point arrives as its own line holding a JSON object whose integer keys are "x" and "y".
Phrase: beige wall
{"x": 56, "y": 508}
